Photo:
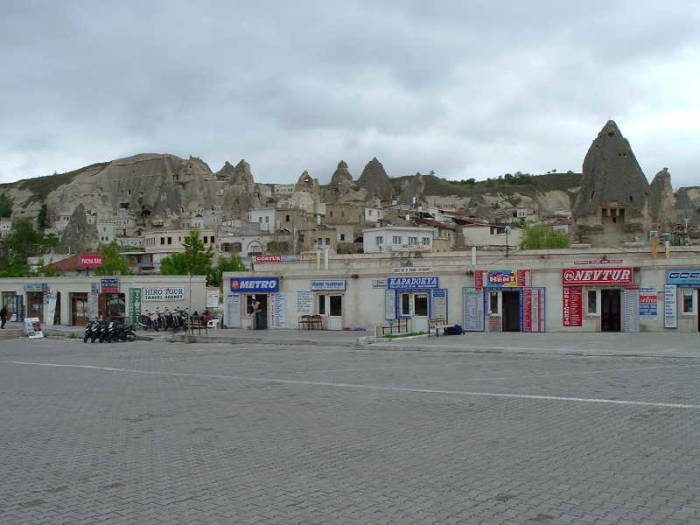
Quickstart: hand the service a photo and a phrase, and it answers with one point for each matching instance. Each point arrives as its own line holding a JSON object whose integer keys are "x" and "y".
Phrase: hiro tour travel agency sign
{"x": 412, "y": 283}
{"x": 502, "y": 278}
{"x": 593, "y": 276}
{"x": 255, "y": 284}
{"x": 163, "y": 294}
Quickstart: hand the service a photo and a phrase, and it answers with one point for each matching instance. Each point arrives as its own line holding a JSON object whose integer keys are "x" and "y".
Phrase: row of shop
{"x": 76, "y": 300}
{"x": 593, "y": 298}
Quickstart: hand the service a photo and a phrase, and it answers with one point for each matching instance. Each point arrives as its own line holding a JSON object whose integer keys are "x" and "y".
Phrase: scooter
{"x": 90, "y": 331}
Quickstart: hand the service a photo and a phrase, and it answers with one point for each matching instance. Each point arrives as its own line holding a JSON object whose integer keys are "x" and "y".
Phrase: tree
{"x": 23, "y": 241}
{"x": 43, "y": 218}
{"x": 113, "y": 262}
{"x": 232, "y": 264}
{"x": 5, "y": 206}
{"x": 196, "y": 260}
{"x": 542, "y": 237}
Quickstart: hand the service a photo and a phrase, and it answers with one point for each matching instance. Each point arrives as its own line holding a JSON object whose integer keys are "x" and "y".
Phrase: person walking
{"x": 3, "y": 317}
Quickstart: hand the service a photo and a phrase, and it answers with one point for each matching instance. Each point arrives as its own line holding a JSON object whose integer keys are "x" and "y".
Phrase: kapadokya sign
{"x": 593, "y": 276}
{"x": 502, "y": 278}
{"x": 328, "y": 285}
{"x": 255, "y": 284}
{"x": 412, "y": 283}
{"x": 90, "y": 260}
{"x": 683, "y": 277}
{"x": 277, "y": 258}
{"x": 163, "y": 294}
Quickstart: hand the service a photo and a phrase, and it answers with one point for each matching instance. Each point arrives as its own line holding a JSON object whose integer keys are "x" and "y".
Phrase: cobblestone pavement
{"x": 175, "y": 433}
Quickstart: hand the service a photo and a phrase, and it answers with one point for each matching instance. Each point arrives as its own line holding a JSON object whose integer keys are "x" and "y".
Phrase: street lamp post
{"x": 507, "y": 230}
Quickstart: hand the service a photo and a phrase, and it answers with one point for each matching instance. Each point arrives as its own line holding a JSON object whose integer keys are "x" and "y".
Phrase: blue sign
{"x": 331, "y": 285}
{"x": 255, "y": 284}
{"x": 683, "y": 277}
{"x": 412, "y": 283}
{"x": 109, "y": 285}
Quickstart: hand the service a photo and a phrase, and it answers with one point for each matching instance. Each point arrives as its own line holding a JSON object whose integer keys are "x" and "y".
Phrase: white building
{"x": 373, "y": 215}
{"x": 265, "y": 217}
{"x": 490, "y": 235}
{"x": 398, "y": 238}
{"x": 5, "y": 227}
{"x": 106, "y": 232}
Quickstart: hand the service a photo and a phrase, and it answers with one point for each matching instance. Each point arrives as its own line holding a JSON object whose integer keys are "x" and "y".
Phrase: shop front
{"x": 504, "y": 301}
{"x": 415, "y": 299}
{"x": 111, "y": 303}
{"x": 255, "y": 302}
{"x": 601, "y": 299}
{"x": 329, "y": 296}
{"x": 682, "y": 299}
{"x": 79, "y": 313}
{"x": 14, "y": 303}
{"x": 34, "y": 293}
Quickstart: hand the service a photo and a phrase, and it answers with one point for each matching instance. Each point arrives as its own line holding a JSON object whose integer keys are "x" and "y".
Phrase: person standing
{"x": 258, "y": 313}
{"x": 3, "y": 316}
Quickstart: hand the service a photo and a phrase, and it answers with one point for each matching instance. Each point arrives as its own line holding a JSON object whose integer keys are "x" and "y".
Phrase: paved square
{"x": 273, "y": 433}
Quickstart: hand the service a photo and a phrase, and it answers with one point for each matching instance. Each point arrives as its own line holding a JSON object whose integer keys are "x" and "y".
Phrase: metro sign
{"x": 255, "y": 284}
{"x": 591, "y": 276}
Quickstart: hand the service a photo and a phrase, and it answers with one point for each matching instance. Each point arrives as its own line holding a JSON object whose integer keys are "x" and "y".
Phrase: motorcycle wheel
{"x": 85, "y": 338}
{"x": 131, "y": 336}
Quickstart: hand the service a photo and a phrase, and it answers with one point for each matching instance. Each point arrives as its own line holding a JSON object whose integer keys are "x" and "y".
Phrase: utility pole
{"x": 507, "y": 230}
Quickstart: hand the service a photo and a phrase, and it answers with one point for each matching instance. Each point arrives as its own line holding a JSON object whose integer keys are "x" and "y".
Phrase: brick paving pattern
{"x": 176, "y": 433}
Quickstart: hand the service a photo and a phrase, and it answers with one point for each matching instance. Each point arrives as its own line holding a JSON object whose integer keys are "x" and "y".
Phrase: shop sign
{"x": 276, "y": 258}
{"x": 135, "y": 305}
{"x": 412, "y": 269}
{"x": 212, "y": 298}
{"x": 647, "y": 302}
{"x": 305, "y": 302}
{"x": 32, "y": 327}
{"x": 163, "y": 294}
{"x": 255, "y": 284}
{"x": 593, "y": 276}
{"x": 572, "y": 306}
{"x": 473, "y": 307}
{"x": 502, "y": 278}
{"x": 599, "y": 261}
{"x": 90, "y": 260}
{"x": 109, "y": 285}
{"x": 278, "y": 310}
{"x": 412, "y": 283}
{"x": 670, "y": 306}
{"x": 378, "y": 283}
{"x": 683, "y": 277}
{"x": 35, "y": 287}
{"x": 328, "y": 285}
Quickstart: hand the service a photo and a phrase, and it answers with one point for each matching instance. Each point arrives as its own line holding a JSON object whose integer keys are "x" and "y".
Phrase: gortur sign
{"x": 163, "y": 294}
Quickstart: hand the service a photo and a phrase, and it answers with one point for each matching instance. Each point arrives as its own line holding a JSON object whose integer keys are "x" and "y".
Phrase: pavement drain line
{"x": 378, "y": 388}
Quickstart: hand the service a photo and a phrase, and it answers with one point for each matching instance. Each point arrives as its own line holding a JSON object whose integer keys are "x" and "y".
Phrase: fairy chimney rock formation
{"x": 79, "y": 235}
{"x": 612, "y": 204}
{"x": 307, "y": 183}
{"x": 376, "y": 181}
{"x": 662, "y": 202}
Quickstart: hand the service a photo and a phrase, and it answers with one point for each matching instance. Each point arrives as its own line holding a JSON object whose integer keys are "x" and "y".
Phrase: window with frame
{"x": 380, "y": 239}
{"x": 396, "y": 239}
{"x": 688, "y": 300}
{"x": 413, "y": 241}
{"x": 322, "y": 304}
{"x": 493, "y": 302}
{"x": 336, "y": 305}
{"x": 405, "y": 304}
{"x": 342, "y": 236}
{"x": 592, "y": 301}
{"x": 421, "y": 304}
{"x": 425, "y": 241}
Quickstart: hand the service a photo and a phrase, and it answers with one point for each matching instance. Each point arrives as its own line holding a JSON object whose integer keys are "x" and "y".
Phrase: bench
{"x": 195, "y": 323}
{"x": 311, "y": 322}
{"x": 399, "y": 325}
{"x": 437, "y": 324}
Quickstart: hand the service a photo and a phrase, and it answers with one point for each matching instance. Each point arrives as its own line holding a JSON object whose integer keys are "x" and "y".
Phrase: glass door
{"x": 330, "y": 306}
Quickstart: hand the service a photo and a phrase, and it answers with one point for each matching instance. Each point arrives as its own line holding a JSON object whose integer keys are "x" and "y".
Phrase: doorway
{"x": 259, "y": 320}
{"x": 331, "y": 307}
{"x": 415, "y": 306}
{"x": 112, "y": 306}
{"x": 35, "y": 305}
{"x": 78, "y": 309}
{"x": 511, "y": 311}
{"x": 610, "y": 311}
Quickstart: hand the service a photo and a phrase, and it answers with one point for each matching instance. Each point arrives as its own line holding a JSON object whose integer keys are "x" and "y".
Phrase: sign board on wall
{"x": 163, "y": 294}
{"x": 109, "y": 285}
{"x": 412, "y": 269}
{"x": 438, "y": 303}
{"x": 502, "y": 278}
{"x": 276, "y": 258}
{"x": 412, "y": 283}
{"x": 594, "y": 276}
{"x": 572, "y": 306}
{"x": 647, "y": 302}
{"x": 328, "y": 285}
{"x": 278, "y": 310}
{"x": 378, "y": 283}
{"x": 670, "y": 306}
{"x": 35, "y": 287}
{"x": 233, "y": 310}
{"x": 532, "y": 310}
{"x": 473, "y": 306}
{"x": 255, "y": 284}
{"x": 90, "y": 260}
{"x": 683, "y": 277}
{"x": 212, "y": 300}
{"x": 630, "y": 310}
{"x": 305, "y": 302}
{"x": 134, "y": 305}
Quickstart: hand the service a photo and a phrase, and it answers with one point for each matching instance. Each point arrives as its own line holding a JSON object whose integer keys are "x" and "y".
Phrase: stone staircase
{"x": 11, "y": 333}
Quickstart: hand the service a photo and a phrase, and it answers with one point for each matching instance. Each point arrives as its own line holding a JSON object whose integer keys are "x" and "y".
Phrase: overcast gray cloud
{"x": 467, "y": 89}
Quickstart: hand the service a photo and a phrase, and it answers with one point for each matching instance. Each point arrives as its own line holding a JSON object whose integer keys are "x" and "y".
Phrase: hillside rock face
{"x": 375, "y": 180}
{"x": 79, "y": 235}
{"x": 688, "y": 204}
{"x": 662, "y": 201}
{"x": 611, "y": 173}
{"x": 240, "y": 174}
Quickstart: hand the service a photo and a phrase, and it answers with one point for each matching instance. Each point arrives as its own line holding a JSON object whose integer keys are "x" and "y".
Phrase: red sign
{"x": 618, "y": 275}
{"x": 572, "y": 306}
{"x": 502, "y": 278}
{"x": 527, "y": 310}
{"x": 268, "y": 258}
{"x": 90, "y": 259}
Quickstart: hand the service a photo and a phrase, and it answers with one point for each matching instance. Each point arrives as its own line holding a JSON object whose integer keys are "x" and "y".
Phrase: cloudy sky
{"x": 464, "y": 88}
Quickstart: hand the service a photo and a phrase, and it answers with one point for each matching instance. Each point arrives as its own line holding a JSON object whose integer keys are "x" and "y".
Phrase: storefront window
{"x": 336, "y": 305}
{"x": 405, "y": 304}
{"x": 592, "y": 297}
{"x": 421, "y": 305}
{"x": 322, "y": 304}
{"x": 493, "y": 302}
{"x": 688, "y": 306}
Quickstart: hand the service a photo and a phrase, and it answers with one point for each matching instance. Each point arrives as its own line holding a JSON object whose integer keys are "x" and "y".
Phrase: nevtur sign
{"x": 593, "y": 276}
